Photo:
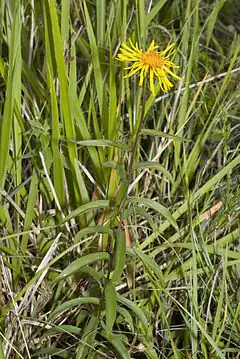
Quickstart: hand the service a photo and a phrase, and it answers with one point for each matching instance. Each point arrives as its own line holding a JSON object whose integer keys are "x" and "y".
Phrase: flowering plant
{"x": 151, "y": 61}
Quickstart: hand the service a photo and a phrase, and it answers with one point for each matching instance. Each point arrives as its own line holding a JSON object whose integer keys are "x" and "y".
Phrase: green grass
{"x": 119, "y": 211}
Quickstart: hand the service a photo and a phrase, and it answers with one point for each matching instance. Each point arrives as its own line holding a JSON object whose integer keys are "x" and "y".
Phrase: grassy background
{"x": 106, "y": 252}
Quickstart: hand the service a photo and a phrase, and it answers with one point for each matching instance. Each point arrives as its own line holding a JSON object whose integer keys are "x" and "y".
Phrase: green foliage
{"x": 118, "y": 210}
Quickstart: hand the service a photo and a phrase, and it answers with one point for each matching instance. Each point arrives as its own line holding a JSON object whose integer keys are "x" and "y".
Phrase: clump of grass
{"x": 119, "y": 237}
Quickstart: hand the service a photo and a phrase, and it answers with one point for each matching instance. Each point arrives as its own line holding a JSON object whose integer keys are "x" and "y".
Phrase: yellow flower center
{"x": 152, "y": 59}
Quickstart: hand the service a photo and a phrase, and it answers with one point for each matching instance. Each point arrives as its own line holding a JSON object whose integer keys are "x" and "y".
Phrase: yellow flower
{"x": 152, "y": 61}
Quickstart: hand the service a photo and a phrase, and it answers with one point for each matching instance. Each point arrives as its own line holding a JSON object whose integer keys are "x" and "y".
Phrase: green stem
{"x": 135, "y": 144}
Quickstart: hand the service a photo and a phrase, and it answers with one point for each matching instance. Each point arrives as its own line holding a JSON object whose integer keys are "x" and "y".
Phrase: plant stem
{"x": 132, "y": 158}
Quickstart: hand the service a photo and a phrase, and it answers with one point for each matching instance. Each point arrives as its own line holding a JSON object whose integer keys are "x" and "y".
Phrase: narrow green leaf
{"x": 51, "y": 351}
{"x": 101, "y": 20}
{"x": 157, "y": 207}
{"x": 81, "y": 262}
{"x": 58, "y": 173}
{"x": 93, "y": 230}
{"x": 219, "y": 316}
{"x": 12, "y": 79}
{"x": 126, "y": 317}
{"x": 87, "y": 339}
{"x": 141, "y": 21}
{"x": 213, "y": 18}
{"x": 95, "y": 59}
{"x": 103, "y": 143}
{"x": 154, "y": 11}
{"x": 88, "y": 207}
{"x": 116, "y": 341}
{"x": 73, "y": 303}
{"x": 113, "y": 118}
{"x": 135, "y": 309}
{"x": 111, "y": 305}
{"x": 152, "y": 265}
{"x": 29, "y": 212}
{"x": 146, "y": 131}
{"x": 119, "y": 255}
{"x": 65, "y": 14}
{"x": 155, "y": 166}
{"x": 64, "y": 329}
{"x": 140, "y": 212}
{"x": 59, "y": 56}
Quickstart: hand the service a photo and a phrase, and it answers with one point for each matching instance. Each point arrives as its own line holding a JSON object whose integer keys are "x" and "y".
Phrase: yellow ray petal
{"x": 152, "y": 46}
{"x": 171, "y": 54}
{"x": 152, "y": 82}
{"x": 171, "y": 73}
{"x": 166, "y": 83}
{"x": 130, "y": 54}
{"x": 167, "y": 49}
{"x": 136, "y": 48}
{"x": 127, "y": 58}
{"x": 160, "y": 77}
{"x": 134, "y": 53}
{"x": 126, "y": 47}
{"x": 170, "y": 64}
{"x": 133, "y": 71}
{"x": 143, "y": 74}
{"x": 160, "y": 72}
{"x": 141, "y": 77}
{"x": 133, "y": 66}
{"x": 160, "y": 83}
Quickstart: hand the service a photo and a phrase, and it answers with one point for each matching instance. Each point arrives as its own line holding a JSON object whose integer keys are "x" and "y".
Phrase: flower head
{"x": 152, "y": 61}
